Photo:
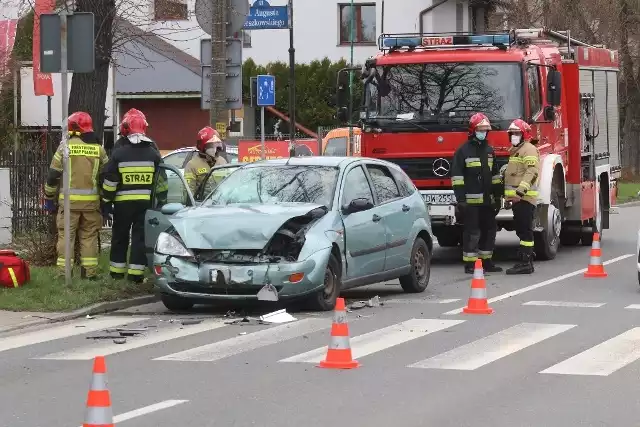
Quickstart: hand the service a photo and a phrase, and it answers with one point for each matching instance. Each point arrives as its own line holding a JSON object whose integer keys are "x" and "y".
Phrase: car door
{"x": 365, "y": 237}
{"x": 396, "y": 214}
{"x": 157, "y": 221}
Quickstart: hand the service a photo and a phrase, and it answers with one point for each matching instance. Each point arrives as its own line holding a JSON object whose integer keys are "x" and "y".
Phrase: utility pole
{"x": 218, "y": 111}
{"x": 292, "y": 84}
{"x": 351, "y": 37}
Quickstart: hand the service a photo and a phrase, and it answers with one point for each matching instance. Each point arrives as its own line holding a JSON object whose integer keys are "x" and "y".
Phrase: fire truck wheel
{"x": 547, "y": 241}
{"x": 596, "y": 225}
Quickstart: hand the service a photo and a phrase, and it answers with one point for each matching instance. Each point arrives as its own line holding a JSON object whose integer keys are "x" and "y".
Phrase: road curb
{"x": 629, "y": 204}
{"x": 99, "y": 308}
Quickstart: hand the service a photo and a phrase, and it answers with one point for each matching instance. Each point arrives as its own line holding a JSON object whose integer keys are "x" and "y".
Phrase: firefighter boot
{"x": 469, "y": 267}
{"x": 489, "y": 267}
{"x": 523, "y": 266}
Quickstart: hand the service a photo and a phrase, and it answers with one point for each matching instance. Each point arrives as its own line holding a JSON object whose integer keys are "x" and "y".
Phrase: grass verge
{"x": 628, "y": 191}
{"x": 47, "y": 293}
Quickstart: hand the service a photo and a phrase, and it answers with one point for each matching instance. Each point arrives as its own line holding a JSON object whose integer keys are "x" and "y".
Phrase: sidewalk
{"x": 10, "y": 320}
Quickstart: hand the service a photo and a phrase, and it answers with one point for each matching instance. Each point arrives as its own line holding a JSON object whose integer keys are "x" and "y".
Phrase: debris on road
{"x": 120, "y": 341}
{"x": 191, "y": 321}
{"x": 280, "y": 316}
{"x": 268, "y": 293}
{"x": 372, "y": 302}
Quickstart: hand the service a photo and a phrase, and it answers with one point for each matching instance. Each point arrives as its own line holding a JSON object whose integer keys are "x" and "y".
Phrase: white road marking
{"x": 633, "y": 307}
{"x": 147, "y": 410}
{"x": 381, "y": 339}
{"x": 232, "y": 346}
{"x": 493, "y": 347}
{"x": 153, "y": 337}
{"x": 539, "y": 285}
{"x": 420, "y": 301}
{"x": 603, "y": 359}
{"x": 64, "y": 331}
{"x": 565, "y": 304}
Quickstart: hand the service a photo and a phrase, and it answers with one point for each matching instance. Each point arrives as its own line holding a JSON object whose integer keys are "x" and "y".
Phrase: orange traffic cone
{"x": 99, "y": 413}
{"x": 478, "y": 303}
{"x": 595, "y": 268}
{"x": 339, "y": 350}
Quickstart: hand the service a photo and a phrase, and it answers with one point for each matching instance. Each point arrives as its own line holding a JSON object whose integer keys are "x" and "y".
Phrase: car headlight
{"x": 169, "y": 245}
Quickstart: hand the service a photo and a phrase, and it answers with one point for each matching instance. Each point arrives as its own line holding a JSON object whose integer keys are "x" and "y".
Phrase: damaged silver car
{"x": 305, "y": 227}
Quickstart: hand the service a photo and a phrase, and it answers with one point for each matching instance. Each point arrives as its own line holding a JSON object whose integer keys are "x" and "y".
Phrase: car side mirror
{"x": 357, "y": 205}
{"x": 554, "y": 87}
{"x": 171, "y": 208}
{"x": 549, "y": 113}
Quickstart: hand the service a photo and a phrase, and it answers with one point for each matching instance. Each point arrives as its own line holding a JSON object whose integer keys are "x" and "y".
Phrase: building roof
{"x": 148, "y": 64}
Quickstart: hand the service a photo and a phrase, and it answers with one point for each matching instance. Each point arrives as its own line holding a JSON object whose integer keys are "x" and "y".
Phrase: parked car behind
{"x": 310, "y": 226}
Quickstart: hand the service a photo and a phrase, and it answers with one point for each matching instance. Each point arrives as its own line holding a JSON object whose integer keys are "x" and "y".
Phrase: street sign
{"x": 263, "y": 16}
{"x": 266, "y": 87}
{"x": 234, "y": 52}
{"x": 237, "y": 14}
{"x": 80, "y": 43}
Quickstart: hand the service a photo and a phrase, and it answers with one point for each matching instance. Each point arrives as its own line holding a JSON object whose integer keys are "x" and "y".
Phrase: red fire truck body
{"x": 416, "y": 112}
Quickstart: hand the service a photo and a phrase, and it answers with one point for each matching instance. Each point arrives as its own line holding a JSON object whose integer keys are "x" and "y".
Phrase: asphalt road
{"x": 560, "y": 350}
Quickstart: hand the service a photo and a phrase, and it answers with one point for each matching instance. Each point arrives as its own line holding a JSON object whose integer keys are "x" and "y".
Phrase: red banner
{"x": 7, "y": 39}
{"x": 42, "y": 82}
{"x": 251, "y": 151}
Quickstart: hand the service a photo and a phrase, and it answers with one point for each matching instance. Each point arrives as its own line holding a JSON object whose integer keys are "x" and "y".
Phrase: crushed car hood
{"x": 248, "y": 226}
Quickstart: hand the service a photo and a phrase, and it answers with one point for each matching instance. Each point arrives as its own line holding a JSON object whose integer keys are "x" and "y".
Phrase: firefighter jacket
{"x": 474, "y": 174}
{"x": 130, "y": 175}
{"x": 522, "y": 173}
{"x": 196, "y": 171}
{"x": 86, "y": 159}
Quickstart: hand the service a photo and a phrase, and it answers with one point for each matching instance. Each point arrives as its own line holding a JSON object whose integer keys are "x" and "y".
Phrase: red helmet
{"x": 79, "y": 123}
{"x": 208, "y": 138}
{"x": 134, "y": 124}
{"x": 520, "y": 126}
{"x": 479, "y": 122}
{"x": 132, "y": 112}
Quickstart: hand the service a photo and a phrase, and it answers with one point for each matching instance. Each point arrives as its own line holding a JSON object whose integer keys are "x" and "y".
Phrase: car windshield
{"x": 445, "y": 93}
{"x": 272, "y": 184}
{"x": 336, "y": 146}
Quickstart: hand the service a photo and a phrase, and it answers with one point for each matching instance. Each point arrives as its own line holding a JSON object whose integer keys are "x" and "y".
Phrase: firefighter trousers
{"x": 523, "y": 218}
{"x": 86, "y": 224}
{"x": 479, "y": 235}
{"x": 128, "y": 222}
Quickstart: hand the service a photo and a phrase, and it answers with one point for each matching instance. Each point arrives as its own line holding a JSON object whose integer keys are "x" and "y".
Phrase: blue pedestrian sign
{"x": 266, "y": 96}
{"x": 263, "y": 16}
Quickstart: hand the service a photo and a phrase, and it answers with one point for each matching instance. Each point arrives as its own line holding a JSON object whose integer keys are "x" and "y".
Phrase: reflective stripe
{"x": 99, "y": 416}
{"x": 133, "y": 195}
{"x": 526, "y": 243}
{"x": 485, "y": 255}
{"x": 81, "y": 198}
{"x": 84, "y": 150}
{"x": 88, "y": 262}
{"x": 457, "y": 180}
{"x": 478, "y": 274}
{"x": 510, "y": 193}
{"x": 14, "y": 279}
{"x": 135, "y": 272}
{"x": 595, "y": 260}
{"x": 117, "y": 267}
{"x": 524, "y": 184}
{"x": 474, "y": 201}
{"x": 472, "y": 159}
{"x": 339, "y": 343}
{"x": 474, "y": 164}
{"x": 478, "y": 293}
{"x": 496, "y": 179}
{"x": 136, "y": 267}
{"x": 530, "y": 160}
{"x": 189, "y": 176}
{"x": 98, "y": 382}
{"x": 49, "y": 190}
{"x": 475, "y": 195}
{"x": 60, "y": 262}
{"x": 595, "y": 244}
{"x": 134, "y": 164}
{"x": 109, "y": 185}
{"x": 469, "y": 256}
{"x": 516, "y": 160}
{"x": 490, "y": 163}
{"x": 340, "y": 317}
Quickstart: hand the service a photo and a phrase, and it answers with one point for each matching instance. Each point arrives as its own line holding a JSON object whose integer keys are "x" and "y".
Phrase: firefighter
{"x": 209, "y": 148}
{"x": 129, "y": 180}
{"x": 477, "y": 186}
{"x": 86, "y": 159}
{"x": 521, "y": 191}
{"x": 124, "y": 132}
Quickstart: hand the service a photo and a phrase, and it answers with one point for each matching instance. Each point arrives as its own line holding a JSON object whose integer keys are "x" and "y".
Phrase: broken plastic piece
{"x": 191, "y": 321}
{"x": 120, "y": 340}
{"x": 280, "y": 316}
{"x": 268, "y": 293}
{"x": 374, "y": 302}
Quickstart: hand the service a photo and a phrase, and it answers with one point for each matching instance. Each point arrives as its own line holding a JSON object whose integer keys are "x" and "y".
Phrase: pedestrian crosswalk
{"x": 422, "y": 344}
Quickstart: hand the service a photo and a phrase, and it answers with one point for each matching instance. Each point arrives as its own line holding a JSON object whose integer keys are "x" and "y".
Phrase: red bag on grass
{"x": 14, "y": 271}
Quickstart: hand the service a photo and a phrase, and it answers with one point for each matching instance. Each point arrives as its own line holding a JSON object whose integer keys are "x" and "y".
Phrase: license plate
{"x": 220, "y": 276}
{"x": 438, "y": 199}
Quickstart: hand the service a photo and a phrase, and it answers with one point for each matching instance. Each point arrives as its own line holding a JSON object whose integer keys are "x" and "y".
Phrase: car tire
{"x": 325, "y": 299}
{"x": 418, "y": 278}
{"x": 175, "y": 303}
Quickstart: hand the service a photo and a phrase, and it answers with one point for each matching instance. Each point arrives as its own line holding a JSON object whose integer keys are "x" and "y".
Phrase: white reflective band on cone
{"x": 596, "y": 244}
{"x": 101, "y": 415}
{"x": 99, "y": 382}
{"x": 477, "y": 273}
{"x": 477, "y": 293}
{"x": 340, "y": 343}
{"x": 595, "y": 260}
{"x": 340, "y": 317}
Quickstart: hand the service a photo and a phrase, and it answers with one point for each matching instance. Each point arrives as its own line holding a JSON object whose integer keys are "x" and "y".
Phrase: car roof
{"x": 230, "y": 165}
{"x": 230, "y": 150}
{"x": 330, "y": 161}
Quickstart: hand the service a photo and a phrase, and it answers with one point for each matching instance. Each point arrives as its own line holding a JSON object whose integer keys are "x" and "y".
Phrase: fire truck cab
{"x": 422, "y": 88}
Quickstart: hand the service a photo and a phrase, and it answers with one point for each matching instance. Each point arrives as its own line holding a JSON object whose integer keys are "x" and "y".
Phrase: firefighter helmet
{"x": 79, "y": 123}
{"x": 209, "y": 141}
{"x": 124, "y": 131}
{"x": 520, "y": 126}
{"x": 479, "y": 122}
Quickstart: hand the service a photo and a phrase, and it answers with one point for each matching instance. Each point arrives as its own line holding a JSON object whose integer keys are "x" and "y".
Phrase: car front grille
{"x": 423, "y": 167}
{"x": 232, "y": 289}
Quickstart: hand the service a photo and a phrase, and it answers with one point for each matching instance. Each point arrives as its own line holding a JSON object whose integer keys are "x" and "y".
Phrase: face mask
{"x": 481, "y": 135}
{"x": 515, "y": 140}
{"x": 211, "y": 152}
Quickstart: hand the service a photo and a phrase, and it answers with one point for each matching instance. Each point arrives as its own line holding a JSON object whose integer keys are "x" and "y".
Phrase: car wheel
{"x": 418, "y": 279}
{"x": 175, "y": 303}
{"x": 325, "y": 299}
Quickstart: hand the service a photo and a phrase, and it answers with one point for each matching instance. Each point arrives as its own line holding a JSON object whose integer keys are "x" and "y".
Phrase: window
{"x": 356, "y": 186}
{"x": 246, "y": 38}
{"x": 533, "y": 81}
{"x": 336, "y": 147}
{"x": 383, "y": 183}
{"x": 214, "y": 178}
{"x": 178, "y": 159}
{"x": 170, "y": 10}
{"x": 364, "y": 23}
{"x": 404, "y": 183}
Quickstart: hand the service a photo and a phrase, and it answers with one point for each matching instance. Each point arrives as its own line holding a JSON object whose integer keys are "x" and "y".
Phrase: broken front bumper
{"x": 218, "y": 281}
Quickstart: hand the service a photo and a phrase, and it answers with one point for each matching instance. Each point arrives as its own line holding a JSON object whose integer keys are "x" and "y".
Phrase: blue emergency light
{"x": 436, "y": 40}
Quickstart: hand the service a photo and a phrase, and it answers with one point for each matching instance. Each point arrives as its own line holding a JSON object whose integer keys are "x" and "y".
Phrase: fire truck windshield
{"x": 444, "y": 95}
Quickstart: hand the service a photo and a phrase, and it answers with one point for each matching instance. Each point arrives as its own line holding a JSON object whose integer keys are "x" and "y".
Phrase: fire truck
{"x": 421, "y": 89}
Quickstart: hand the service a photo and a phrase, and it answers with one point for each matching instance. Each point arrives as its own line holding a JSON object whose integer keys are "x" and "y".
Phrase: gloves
{"x": 49, "y": 205}
{"x": 106, "y": 209}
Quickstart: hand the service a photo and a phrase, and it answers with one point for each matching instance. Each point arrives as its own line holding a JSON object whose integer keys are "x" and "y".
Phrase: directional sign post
{"x": 263, "y": 16}
{"x": 266, "y": 97}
